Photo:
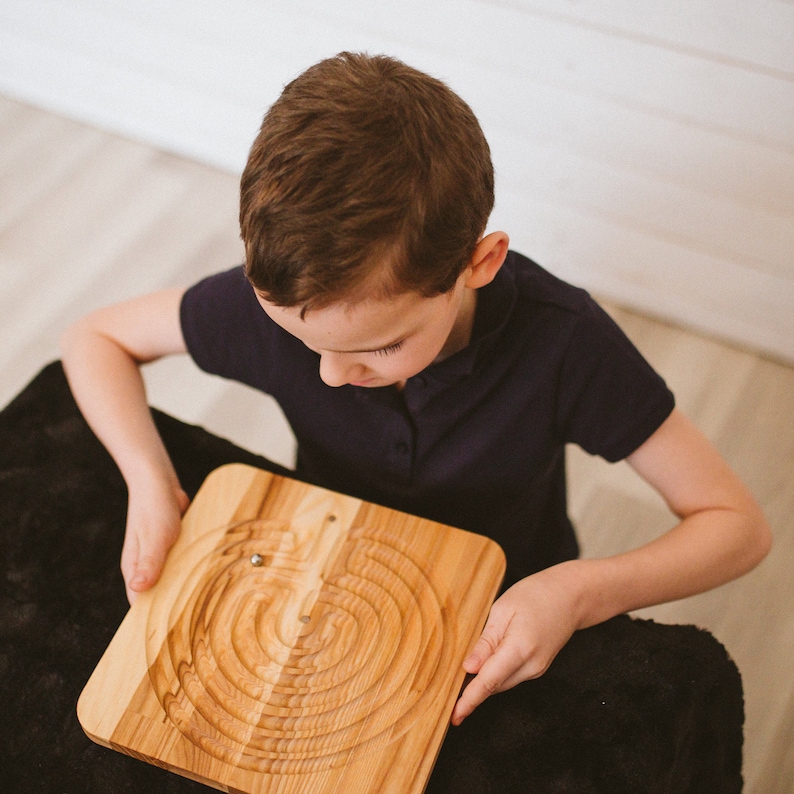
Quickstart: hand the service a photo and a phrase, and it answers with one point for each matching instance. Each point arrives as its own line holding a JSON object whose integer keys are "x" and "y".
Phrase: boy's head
{"x": 368, "y": 178}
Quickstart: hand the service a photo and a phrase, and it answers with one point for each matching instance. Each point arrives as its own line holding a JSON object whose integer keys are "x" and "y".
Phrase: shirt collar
{"x": 495, "y": 302}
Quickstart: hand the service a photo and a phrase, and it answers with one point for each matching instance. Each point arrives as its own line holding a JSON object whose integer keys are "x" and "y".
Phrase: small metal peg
{"x": 256, "y": 560}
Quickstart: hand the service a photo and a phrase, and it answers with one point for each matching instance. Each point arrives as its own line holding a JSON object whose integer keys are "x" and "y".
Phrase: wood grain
{"x": 299, "y": 640}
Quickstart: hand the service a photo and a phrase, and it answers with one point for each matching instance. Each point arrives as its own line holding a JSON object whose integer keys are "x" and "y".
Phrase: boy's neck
{"x": 460, "y": 335}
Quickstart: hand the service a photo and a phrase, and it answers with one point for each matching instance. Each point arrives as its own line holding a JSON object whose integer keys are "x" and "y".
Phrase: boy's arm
{"x": 101, "y": 356}
{"x": 722, "y": 534}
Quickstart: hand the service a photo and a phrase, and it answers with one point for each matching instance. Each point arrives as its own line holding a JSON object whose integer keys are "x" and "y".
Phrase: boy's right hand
{"x": 101, "y": 354}
{"x": 154, "y": 520}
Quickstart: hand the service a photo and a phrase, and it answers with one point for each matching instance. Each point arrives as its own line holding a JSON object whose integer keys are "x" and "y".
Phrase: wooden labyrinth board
{"x": 298, "y": 641}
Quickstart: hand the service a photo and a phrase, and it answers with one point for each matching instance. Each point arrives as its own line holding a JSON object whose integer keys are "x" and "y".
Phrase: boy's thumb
{"x": 146, "y": 572}
{"x": 481, "y": 651}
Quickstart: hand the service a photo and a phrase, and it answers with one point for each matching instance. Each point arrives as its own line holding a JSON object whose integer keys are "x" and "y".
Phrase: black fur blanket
{"x": 629, "y": 706}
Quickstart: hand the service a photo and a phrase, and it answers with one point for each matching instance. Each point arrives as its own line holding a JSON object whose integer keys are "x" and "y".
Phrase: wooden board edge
{"x": 98, "y": 723}
{"x": 424, "y": 769}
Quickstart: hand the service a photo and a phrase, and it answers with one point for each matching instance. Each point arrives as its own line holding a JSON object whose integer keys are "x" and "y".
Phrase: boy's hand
{"x": 527, "y": 627}
{"x": 154, "y": 520}
{"x": 722, "y": 534}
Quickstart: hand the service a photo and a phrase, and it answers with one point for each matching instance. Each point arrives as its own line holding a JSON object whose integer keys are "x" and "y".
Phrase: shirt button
{"x": 401, "y": 447}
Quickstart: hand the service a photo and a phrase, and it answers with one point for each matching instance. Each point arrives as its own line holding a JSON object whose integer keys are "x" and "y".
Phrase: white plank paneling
{"x": 665, "y": 149}
{"x": 117, "y": 95}
{"x": 755, "y": 35}
{"x": 717, "y": 226}
{"x": 666, "y": 130}
{"x": 239, "y": 52}
{"x": 611, "y": 259}
{"x": 514, "y": 47}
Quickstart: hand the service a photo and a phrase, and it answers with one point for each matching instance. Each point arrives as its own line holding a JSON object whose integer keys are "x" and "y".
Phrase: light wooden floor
{"x": 87, "y": 218}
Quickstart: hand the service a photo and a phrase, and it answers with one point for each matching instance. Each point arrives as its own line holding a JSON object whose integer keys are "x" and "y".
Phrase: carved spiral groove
{"x": 264, "y": 676}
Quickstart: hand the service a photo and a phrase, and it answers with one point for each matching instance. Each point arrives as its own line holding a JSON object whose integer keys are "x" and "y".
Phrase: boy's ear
{"x": 488, "y": 257}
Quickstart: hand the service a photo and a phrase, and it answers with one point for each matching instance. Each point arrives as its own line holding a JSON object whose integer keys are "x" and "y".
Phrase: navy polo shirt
{"x": 476, "y": 441}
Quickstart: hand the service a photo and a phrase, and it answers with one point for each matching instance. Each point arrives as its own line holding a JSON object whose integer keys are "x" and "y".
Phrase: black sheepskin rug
{"x": 628, "y": 707}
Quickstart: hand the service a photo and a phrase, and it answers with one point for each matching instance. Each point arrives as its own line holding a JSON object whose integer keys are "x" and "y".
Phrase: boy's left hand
{"x": 722, "y": 534}
{"x": 527, "y": 627}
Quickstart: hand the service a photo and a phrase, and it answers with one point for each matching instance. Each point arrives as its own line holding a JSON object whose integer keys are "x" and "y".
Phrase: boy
{"x": 420, "y": 364}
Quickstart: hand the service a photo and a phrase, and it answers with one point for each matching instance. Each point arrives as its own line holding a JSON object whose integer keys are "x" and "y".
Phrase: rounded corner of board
{"x": 229, "y": 469}
{"x": 500, "y": 553}
{"x": 234, "y": 472}
{"x": 86, "y": 718}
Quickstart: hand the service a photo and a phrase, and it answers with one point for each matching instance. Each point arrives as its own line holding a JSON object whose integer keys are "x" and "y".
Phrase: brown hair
{"x": 363, "y": 162}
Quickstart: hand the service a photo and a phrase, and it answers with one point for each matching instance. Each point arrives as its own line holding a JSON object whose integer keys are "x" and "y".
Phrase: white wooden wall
{"x": 644, "y": 149}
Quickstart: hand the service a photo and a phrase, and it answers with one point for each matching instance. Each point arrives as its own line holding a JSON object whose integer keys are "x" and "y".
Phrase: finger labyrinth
{"x": 276, "y": 668}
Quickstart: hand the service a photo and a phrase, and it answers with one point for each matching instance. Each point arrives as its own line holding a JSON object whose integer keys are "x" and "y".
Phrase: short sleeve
{"x": 225, "y": 329}
{"x": 610, "y": 399}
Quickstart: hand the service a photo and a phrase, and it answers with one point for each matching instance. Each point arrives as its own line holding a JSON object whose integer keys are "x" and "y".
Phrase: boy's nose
{"x": 335, "y": 371}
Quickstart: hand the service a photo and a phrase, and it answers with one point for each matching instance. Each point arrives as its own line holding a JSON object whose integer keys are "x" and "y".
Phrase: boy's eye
{"x": 387, "y": 351}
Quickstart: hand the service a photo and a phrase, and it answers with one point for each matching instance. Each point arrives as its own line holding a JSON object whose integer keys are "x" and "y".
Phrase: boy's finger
{"x": 475, "y": 693}
{"x": 490, "y": 680}
{"x": 183, "y": 500}
{"x": 129, "y": 557}
{"x": 147, "y": 570}
{"x": 483, "y": 650}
